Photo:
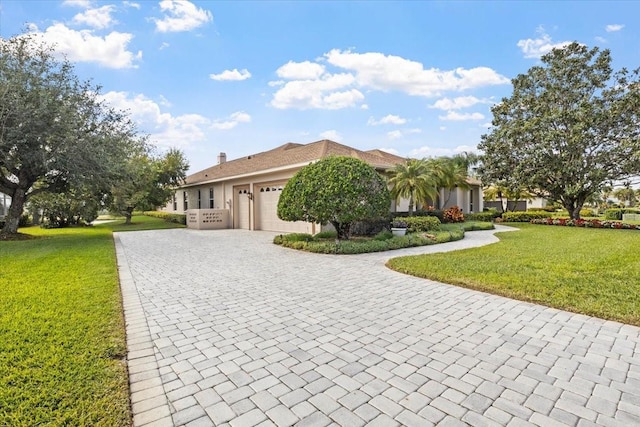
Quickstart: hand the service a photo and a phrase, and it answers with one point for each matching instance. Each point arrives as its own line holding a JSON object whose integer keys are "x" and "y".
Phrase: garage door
{"x": 266, "y": 205}
{"x": 241, "y": 211}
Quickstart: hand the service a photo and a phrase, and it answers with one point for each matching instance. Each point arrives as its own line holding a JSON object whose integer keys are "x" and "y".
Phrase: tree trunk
{"x": 411, "y": 205}
{"x": 127, "y": 216}
{"x": 573, "y": 207}
{"x": 18, "y": 199}
{"x": 343, "y": 230}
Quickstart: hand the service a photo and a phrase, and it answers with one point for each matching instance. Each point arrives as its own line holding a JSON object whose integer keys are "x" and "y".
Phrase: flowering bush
{"x": 588, "y": 223}
{"x": 398, "y": 223}
{"x": 453, "y": 214}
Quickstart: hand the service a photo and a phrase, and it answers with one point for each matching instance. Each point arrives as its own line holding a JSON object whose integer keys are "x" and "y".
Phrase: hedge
{"x": 481, "y": 216}
{"x": 169, "y": 217}
{"x": 616, "y": 213}
{"x": 587, "y": 223}
{"x": 422, "y": 223}
{"x": 524, "y": 216}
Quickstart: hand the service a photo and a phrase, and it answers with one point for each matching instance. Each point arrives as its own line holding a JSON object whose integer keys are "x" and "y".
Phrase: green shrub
{"x": 523, "y": 216}
{"x": 480, "y": 216}
{"x": 426, "y": 212}
{"x": 297, "y": 237}
{"x": 24, "y": 220}
{"x": 383, "y": 235}
{"x": 328, "y": 234}
{"x": 477, "y": 225}
{"x": 169, "y": 217}
{"x": 548, "y": 208}
{"x": 616, "y": 213}
{"x": 422, "y": 223}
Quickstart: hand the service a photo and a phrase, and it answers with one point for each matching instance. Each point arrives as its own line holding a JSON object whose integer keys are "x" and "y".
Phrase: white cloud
{"x": 231, "y": 75}
{"x": 82, "y": 46}
{"x": 97, "y": 18}
{"x": 165, "y": 129}
{"x": 164, "y": 45}
{"x": 387, "y": 72}
{"x": 443, "y": 128}
{"x": 275, "y": 83}
{"x": 77, "y": 3}
{"x": 600, "y": 39}
{"x": 486, "y": 125}
{"x": 232, "y": 121}
{"x": 457, "y": 103}
{"x": 364, "y": 107}
{"x": 458, "y": 117}
{"x": 389, "y": 119}
{"x": 181, "y": 15}
{"x": 131, "y": 4}
{"x": 613, "y": 28}
{"x": 332, "y": 134}
{"x": 300, "y": 70}
{"x": 535, "y": 48}
{"x": 394, "y": 134}
{"x": 310, "y": 85}
{"x": 324, "y": 93}
{"x": 426, "y": 151}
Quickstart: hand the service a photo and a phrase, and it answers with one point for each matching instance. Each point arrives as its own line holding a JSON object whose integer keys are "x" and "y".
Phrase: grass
{"x": 62, "y": 339}
{"x": 589, "y": 271}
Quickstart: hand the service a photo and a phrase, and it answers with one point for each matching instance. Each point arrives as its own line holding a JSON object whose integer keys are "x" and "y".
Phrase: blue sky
{"x": 413, "y": 78}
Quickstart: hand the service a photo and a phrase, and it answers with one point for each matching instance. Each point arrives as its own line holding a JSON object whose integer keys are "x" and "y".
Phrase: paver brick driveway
{"x": 225, "y": 328}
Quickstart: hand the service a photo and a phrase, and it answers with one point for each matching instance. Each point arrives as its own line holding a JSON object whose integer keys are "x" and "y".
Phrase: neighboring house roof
{"x": 291, "y": 154}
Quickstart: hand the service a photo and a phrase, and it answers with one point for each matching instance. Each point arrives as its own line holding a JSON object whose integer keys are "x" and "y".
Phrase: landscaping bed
{"x": 326, "y": 242}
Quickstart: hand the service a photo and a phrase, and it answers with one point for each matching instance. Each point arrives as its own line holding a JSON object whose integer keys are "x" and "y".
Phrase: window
{"x": 175, "y": 202}
{"x": 199, "y": 199}
{"x": 210, "y": 197}
{"x": 470, "y": 200}
{"x": 185, "y": 200}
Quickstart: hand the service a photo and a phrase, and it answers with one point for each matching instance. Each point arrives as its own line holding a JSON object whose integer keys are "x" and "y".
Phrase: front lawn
{"x": 590, "y": 271}
{"x": 62, "y": 339}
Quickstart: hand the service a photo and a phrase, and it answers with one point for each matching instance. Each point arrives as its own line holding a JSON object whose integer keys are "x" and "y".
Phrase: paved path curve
{"x": 225, "y": 328}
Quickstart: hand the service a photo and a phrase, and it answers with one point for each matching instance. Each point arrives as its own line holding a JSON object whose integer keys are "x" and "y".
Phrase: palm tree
{"x": 451, "y": 172}
{"x": 414, "y": 181}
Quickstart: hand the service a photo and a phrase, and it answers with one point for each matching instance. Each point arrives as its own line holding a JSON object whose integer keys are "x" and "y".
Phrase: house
{"x": 5, "y": 204}
{"x": 243, "y": 193}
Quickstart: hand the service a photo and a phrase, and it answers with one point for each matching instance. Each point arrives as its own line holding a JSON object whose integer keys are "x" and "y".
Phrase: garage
{"x": 266, "y": 207}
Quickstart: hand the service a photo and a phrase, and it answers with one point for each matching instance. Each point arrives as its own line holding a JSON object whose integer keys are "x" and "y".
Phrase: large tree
{"x": 54, "y": 131}
{"x": 148, "y": 181}
{"x": 570, "y": 127}
{"x": 413, "y": 180}
{"x": 338, "y": 190}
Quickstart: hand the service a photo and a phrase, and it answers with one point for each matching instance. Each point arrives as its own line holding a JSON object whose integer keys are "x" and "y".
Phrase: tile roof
{"x": 291, "y": 154}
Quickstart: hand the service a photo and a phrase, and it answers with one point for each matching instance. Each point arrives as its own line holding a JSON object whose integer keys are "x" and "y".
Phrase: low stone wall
{"x": 631, "y": 217}
{"x": 208, "y": 219}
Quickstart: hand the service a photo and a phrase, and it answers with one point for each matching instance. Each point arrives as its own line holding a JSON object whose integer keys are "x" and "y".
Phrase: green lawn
{"x": 589, "y": 271}
{"x": 61, "y": 328}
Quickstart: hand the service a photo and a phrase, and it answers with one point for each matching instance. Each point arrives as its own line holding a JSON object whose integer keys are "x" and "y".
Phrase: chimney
{"x": 222, "y": 157}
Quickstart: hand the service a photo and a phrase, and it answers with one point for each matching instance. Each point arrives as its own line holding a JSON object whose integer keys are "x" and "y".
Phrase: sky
{"x": 416, "y": 79}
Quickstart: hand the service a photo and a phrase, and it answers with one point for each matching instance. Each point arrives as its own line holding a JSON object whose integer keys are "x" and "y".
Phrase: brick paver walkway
{"x": 225, "y": 328}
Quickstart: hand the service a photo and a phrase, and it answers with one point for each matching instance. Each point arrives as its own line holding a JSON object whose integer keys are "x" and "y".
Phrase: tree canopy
{"x": 337, "y": 190}
{"x": 147, "y": 182}
{"x": 54, "y": 131}
{"x": 413, "y": 180}
{"x": 570, "y": 127}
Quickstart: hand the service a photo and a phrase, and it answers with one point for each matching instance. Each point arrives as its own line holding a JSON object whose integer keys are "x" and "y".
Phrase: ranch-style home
{"x": 243, "y": 193}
